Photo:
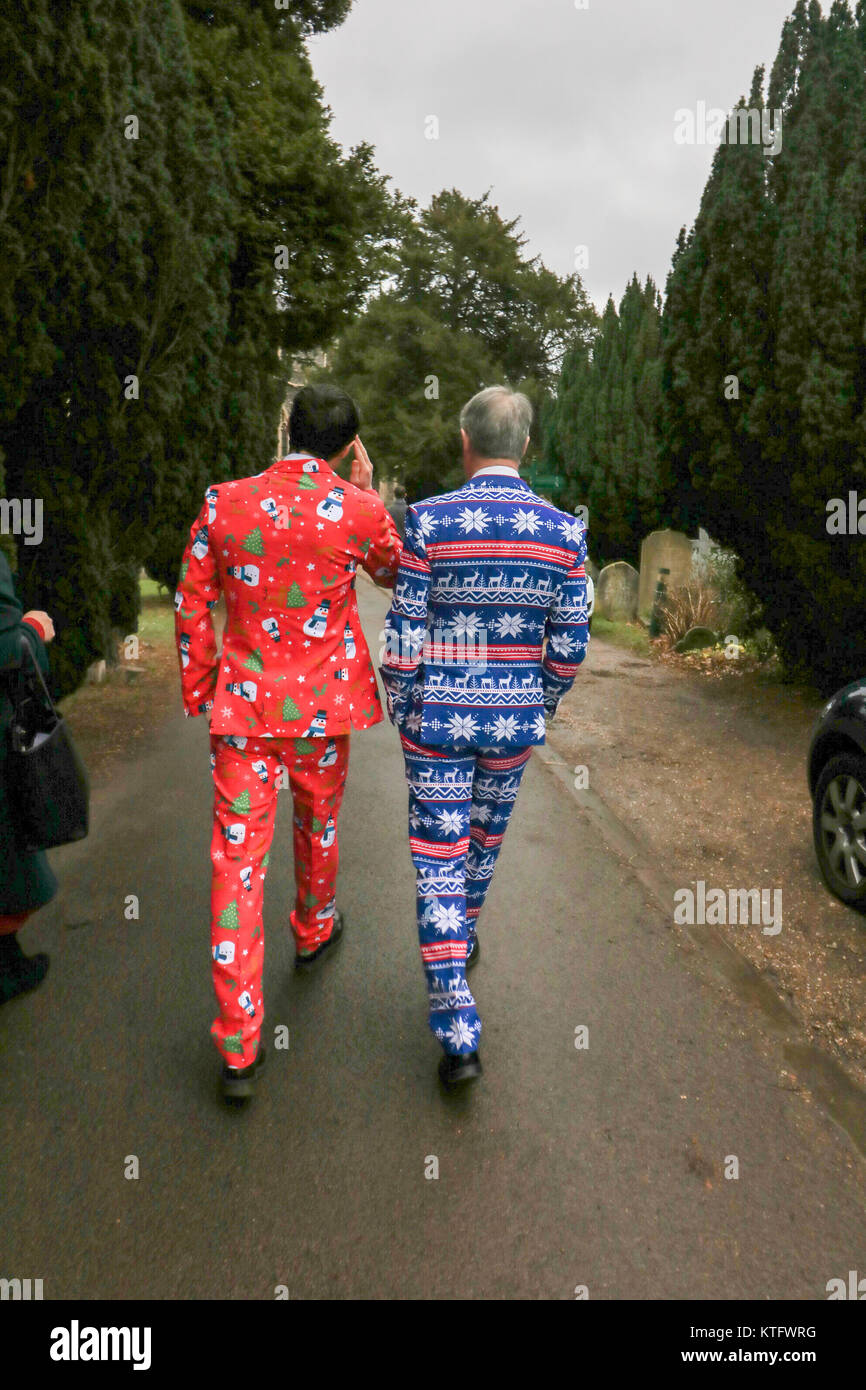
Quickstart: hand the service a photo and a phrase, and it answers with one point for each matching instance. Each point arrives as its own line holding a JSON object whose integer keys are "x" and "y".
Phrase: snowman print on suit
{"x": 317, "y": 625}
{"x": 272, "y": 628}
{"x": 224, "y": 952}
{"x": 199, "y": 545}
{"x": 248, "y": 573}
{"x": 211, "y": 498}
{"x": 246, "y": 689}
{"x": 318, "y": 725}
{"x": 184, "y": 649}
{"x": 331, "y": 507}
{"x": 246, "y": 1002}
{"x": 349, "y": 643}
{"x": 261, "y": 770}
{"x": 269, "y": 505}
{"x": 329, "y": 834}
{"x": 329, "y": 757}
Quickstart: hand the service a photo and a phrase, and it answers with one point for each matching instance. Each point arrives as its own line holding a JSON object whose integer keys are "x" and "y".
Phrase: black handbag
{"x": 48, "y": 788}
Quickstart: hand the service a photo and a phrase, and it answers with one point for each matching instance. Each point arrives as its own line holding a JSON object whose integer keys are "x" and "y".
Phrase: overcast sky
{"x": 567, "y": 114}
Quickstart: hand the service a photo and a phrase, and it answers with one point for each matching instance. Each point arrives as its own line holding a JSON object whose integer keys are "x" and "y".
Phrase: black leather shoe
{"x": 304, "y": 962}
{"x": 456, "y": 1071}
{"x": 21, "y": 973}
{"x": 239, "y": 1083}
{"x": 472, "y": 958}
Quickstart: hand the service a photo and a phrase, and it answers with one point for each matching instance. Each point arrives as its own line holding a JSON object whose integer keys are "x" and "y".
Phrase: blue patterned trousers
{"x": 460, "y": 802}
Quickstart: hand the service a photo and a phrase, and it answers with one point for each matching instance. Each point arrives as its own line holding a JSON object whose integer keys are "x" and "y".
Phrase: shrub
{"x": 740, "y": 611}
{"x": 688, "y": 606}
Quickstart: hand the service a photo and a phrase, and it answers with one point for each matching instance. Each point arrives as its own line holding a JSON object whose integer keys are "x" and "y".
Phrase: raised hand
{"x": 361, "y": 474}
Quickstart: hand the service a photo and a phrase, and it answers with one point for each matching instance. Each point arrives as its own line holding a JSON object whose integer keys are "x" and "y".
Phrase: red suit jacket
{"x": 283, "y": 547}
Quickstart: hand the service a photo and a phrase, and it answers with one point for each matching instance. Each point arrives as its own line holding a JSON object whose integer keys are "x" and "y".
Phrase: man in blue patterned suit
{"x": 485, "y": 634}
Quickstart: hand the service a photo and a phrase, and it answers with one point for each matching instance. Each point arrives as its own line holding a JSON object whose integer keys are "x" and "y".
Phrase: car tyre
{"x": 839, "y": 827}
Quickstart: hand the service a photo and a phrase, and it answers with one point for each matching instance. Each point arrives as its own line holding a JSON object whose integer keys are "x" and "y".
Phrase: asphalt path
{"x": 563, "y": 1168}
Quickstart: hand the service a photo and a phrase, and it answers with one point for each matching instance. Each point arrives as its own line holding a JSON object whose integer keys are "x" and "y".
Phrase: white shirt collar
{"x": 501, "y": 468}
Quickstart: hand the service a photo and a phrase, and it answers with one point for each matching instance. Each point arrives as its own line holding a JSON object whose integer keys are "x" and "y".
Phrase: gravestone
{"x": 696, "y": 639}
{"x": 616, "y": 593}
{"x": 669, "y": 550}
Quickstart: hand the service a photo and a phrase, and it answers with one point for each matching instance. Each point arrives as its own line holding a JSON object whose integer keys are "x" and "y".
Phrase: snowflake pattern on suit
{"x": 489, "y": 573}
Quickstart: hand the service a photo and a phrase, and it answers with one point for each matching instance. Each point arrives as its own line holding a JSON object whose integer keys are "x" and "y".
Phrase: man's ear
{"x": 525, "y": 447}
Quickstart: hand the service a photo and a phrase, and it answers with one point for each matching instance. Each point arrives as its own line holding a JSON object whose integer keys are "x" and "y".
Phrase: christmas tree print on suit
{"x": 253, "y": 544}
{"x": 272, "y": 584}
{"x": 228, "y": 918}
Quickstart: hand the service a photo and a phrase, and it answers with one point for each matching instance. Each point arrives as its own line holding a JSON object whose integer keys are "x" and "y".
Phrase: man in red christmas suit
{"x": 293, "y": 678}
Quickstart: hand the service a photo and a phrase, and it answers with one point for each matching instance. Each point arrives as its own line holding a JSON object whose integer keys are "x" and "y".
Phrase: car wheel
{"x": 839, "y": 827}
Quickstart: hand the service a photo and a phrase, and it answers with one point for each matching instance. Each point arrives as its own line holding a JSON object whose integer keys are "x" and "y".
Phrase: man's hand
{"x": 43, "y": 620}
{"x": 361, "y": 474}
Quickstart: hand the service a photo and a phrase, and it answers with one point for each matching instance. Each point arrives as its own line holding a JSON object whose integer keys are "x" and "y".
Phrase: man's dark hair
{"x": 322, "y": 421}
{"x": 399, "y": 491}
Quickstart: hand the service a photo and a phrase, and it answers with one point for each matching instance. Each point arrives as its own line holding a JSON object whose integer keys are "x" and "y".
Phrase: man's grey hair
{"x": 497, "y": 421}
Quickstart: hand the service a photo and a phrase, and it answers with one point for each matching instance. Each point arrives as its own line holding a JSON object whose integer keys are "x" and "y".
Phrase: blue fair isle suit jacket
{"x": 489, "y": 620}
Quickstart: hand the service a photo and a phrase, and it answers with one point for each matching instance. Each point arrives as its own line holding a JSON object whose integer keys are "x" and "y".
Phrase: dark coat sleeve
{"x": 27, "y": 881}
{"x": 12, "y": 630}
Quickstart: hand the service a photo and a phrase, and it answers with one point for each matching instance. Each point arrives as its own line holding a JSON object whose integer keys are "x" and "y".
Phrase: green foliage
{"x": 465, "y": 309}
{"x": 600, "y": 432}
{"x": 155, "y": 258}
{"x": 741, "y": 612}
{"x": 115, "y": 248}
{"x": 769, "y": 286}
